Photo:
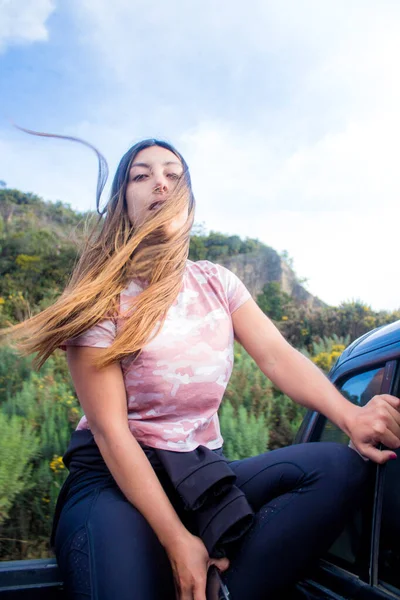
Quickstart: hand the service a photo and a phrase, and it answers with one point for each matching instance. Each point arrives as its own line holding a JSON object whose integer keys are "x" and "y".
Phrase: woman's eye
{"x": 139, "y": 177}
{"x": 173, "y": 176}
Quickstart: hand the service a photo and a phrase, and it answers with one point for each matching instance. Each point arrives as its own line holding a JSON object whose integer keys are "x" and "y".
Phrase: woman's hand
{"x": 190, "y": 562}
{"x": 378, "y": 422}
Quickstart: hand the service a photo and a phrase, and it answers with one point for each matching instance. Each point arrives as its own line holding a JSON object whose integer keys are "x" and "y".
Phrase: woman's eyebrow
{"x": 165, "y": 164}
{"x": 172, "y": 162}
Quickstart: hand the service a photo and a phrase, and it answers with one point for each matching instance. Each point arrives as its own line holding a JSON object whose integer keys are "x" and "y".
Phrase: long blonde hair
{"x": 114, "y": 253}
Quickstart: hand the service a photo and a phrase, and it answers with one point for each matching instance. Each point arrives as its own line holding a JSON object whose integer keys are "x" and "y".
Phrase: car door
{"x": 385, "y": 570}
{"x": 364, "y": 562}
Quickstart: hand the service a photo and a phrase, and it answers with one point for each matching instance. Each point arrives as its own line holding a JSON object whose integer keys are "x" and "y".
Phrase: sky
{"x": 288, "y": 114}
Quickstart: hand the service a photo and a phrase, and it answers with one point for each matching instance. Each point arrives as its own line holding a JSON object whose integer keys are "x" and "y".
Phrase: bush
{"x": 244, "y": 434}
{"x": 18, "y": 446}
{"x": 49, "y": 410}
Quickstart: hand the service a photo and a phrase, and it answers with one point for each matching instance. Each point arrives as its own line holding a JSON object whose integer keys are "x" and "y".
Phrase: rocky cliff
{"x": 258, "y": 268}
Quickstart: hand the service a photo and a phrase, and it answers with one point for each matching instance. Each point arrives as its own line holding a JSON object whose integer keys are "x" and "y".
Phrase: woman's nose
{"x": 161, "y": 184}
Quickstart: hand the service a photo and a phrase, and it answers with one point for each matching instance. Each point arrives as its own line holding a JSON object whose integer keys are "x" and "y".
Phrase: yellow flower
{"x": 323, "y": 360}
{"x": 338, "y": 348}
{"x": 2, "y": 300}
{"x": 57, "y": 464}
{"x": 285, "y": 318}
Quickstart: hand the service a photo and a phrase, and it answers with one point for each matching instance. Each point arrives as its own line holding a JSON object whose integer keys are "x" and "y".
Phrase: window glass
{"x": 359, "y": 389}
{"x": 389, "y": 549}
{"x": 351, "y": 549}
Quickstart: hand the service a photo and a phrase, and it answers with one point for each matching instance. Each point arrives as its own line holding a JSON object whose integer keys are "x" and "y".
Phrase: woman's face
{"x": 154, "y": 174}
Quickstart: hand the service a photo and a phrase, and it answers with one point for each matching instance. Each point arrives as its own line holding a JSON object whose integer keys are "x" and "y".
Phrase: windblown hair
{"x": 114, "y": 253}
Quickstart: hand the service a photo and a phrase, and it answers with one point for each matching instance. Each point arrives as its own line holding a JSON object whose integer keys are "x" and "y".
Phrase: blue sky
{"x": 287, "y": 113}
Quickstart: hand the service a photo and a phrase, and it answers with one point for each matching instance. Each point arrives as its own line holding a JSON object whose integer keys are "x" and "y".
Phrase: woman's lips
{"x": 156, "y": 204}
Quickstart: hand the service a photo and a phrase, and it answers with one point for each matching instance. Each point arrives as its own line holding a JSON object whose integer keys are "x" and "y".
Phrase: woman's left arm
{"x": 376, "y": 423}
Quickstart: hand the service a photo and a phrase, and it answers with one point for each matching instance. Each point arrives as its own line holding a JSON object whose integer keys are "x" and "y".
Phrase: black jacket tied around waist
{"x": 200, "y": 484}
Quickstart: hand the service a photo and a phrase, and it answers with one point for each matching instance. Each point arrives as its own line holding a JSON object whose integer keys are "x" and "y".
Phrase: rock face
{"x": 258, "y": 268}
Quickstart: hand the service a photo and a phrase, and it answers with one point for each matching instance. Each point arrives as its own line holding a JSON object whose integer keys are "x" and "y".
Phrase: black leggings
{"x": 302, "y": 496}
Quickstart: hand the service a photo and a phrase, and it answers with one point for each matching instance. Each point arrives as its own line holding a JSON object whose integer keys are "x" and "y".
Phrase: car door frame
{"x": 330, "y": 579}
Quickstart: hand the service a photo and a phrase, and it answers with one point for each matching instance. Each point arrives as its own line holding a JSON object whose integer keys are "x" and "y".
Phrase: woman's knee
{"x": 124, "y": 556}
{"x": 342, "y": 466}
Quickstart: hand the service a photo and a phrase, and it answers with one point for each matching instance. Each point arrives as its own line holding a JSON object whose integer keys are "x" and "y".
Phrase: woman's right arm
{"x": 102, "y": 396}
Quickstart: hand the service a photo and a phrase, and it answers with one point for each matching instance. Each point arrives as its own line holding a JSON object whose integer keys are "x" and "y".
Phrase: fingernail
{"x": 393, "y": 456}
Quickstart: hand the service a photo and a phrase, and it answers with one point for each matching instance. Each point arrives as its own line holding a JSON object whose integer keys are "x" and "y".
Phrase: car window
{"x": 351, "y": 549}
{"x": 389, "y": 546}
{"x": 359, "y": 389}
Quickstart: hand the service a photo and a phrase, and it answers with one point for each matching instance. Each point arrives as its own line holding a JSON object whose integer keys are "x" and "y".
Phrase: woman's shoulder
{"x": 204, "y": 267}
{"x": 211, "y": 271}
{"x": 224, "y": 282}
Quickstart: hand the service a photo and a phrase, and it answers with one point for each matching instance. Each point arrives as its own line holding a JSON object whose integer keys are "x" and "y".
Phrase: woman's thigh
{"x": 106, "y": 550}
{"x": 327, "y": 467}
{"x": 302, "y": 496}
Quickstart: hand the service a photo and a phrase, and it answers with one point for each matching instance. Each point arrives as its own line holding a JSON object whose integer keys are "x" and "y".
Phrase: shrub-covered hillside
{"x": 39, "y": 244}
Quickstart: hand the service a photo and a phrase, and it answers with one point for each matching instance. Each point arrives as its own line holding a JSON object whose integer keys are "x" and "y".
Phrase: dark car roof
{"x": 381, "y": 336}
{"x": 381, "y": 343}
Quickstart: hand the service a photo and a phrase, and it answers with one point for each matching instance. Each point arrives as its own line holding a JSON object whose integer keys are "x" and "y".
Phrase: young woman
{"x": 149, "y": 341}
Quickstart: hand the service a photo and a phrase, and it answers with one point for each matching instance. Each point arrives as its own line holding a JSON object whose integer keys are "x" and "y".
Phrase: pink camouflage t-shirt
{"x": 175, "y": 387}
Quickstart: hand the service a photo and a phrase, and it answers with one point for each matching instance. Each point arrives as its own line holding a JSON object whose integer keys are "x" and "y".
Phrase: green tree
{"x": 198, "y": 250}
{"x": 273, "y": 301}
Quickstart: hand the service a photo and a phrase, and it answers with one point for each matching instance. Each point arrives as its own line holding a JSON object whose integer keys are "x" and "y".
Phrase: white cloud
{"x": 347, "y": 251}
{"x": 333, "y": 205}
{"x": 286, "y": 112}
{"x": 24, "y": 21}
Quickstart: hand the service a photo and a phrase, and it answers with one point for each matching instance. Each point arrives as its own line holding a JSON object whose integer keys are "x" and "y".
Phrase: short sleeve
{"x": 236, "y": 292}
{"x": 100, "y": 335}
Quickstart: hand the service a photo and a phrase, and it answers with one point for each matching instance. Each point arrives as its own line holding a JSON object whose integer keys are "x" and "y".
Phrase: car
{"x": 364, "y": 562}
